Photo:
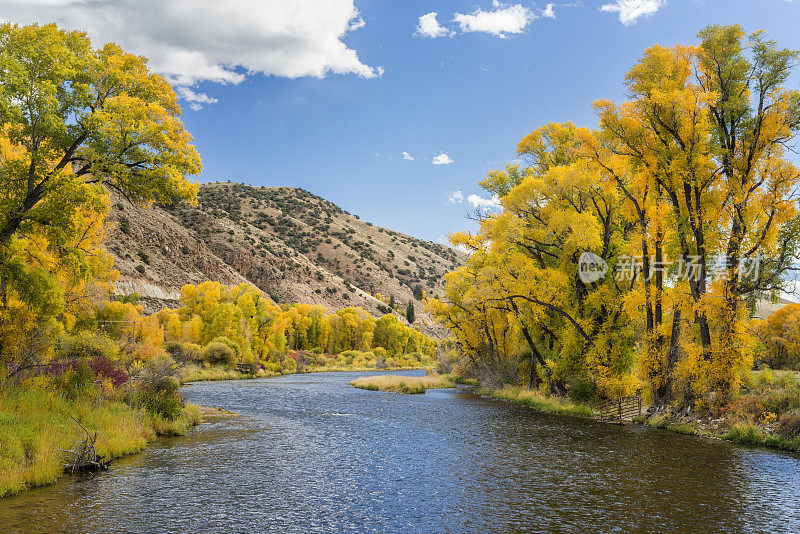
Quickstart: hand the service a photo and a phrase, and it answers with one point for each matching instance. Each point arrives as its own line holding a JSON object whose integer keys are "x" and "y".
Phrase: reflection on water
{"x": 310, "y": 454}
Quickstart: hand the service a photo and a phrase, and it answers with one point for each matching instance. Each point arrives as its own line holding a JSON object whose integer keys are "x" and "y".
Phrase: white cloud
{"x": 442, "y": 159}
{"x": 356, "y": 24}
{"x": 408, "y": 156}
{"x": 194, "y": 41}
{"x": 549, "y": 12}
{"x": 196, "y": 100}
{"x": 430, "y": 27}
{"x": 486, "y": 203}
{"x": 504, "y": 19}
{"x": 631, "y": 10}
{"x": 455, "y": 197}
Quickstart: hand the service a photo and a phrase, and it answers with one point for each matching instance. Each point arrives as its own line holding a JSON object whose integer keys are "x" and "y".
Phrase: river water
{"x": 308, "y": 453}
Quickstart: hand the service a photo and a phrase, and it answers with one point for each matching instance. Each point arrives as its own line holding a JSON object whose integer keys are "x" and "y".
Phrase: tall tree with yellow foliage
{"x": 690, "y": 175}
{"x": 75, "y": 122}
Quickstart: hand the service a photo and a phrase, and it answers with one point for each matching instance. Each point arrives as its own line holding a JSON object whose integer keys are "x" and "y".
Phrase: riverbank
{"x": 767, "y": 412}
{"x": 737, "y": 431}
{"x": 35, "y": 423}
{"x": 537, "y": 400}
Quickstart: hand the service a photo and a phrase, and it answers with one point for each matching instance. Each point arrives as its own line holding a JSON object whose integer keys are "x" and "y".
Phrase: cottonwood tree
{"x": 705, "y": 131}
{"x": 75, "y": 121}
{"x": 690, "y": 174}
{"x": 524, "y": 270}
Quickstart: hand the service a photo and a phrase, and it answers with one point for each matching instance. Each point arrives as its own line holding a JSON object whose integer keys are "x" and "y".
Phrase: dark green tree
{"x": 410, "y": 313}
{"x": 418, "y": 293}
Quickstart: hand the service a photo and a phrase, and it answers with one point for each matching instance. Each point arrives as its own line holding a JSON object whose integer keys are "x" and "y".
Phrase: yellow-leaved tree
{"x": 76, "y": 121}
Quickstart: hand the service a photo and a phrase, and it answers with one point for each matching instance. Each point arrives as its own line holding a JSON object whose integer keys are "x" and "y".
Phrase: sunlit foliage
{"x": 692, "y": 168}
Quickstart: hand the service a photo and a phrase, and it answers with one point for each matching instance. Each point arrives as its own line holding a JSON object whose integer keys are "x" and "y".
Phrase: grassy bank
{"x": 402, "y": 384}
{"x": 742, "y": 432}
{"x": 537, "y": 400}
{"x": 194, "y": 373}
{"x": 462, "y": 380}
{"x": 200, "y": 374}
{"x": 766, "y": 413}
{"x": 359, "y": 369}
{"x": 34, "y": 424}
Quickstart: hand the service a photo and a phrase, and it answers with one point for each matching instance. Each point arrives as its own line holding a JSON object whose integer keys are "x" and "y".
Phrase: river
{"x": 308, "y": 453}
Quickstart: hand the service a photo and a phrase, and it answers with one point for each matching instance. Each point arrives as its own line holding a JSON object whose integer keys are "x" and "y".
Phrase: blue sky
{"x": 471, "y": 95}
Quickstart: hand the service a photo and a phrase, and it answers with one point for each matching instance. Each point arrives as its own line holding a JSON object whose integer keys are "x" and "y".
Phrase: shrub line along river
{"x": 311, "y": 454}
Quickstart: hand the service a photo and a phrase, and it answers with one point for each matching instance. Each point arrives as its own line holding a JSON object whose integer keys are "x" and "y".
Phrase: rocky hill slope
{"x": 293, "y": 245}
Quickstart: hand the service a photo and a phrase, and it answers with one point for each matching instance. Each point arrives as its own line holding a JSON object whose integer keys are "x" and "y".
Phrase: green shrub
{"x": 76, "y": 381}
{"x": 765, "y": 377}
{"x": 86, "y": 346}
{"x": 161, "y": 399}
{"x": 288, "y": 365}
{"x": 746, "y": 433}
{"x": 349, "y": 356}
{"x": 237, "y": 349}
{"x": 157, "y": 391}
{"x": 218, "y": 353}
{"x": 582, "y": 389}
{"x": 174, "y": 349}
{"x": 748, "y": 379}
{"x": 192, "y": 352}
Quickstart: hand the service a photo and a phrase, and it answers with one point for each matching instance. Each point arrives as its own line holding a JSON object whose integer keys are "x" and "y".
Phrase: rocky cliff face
{"x": 291, "y": 244}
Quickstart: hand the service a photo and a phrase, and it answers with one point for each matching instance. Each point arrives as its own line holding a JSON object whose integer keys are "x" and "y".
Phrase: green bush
{"x": 288, "y": 365}
{"x": 174, "y": 349}
{"x": 237, "y": 349}
{"x": 218, "y": 353}
{"x": 86, "y": 346}
{"x": 76, "y": 381}
{"x": 157, "y": 391}
{"x": 159, "y": 399}
{"x": 349, "y": 356}
{"x": 582, "y": 389}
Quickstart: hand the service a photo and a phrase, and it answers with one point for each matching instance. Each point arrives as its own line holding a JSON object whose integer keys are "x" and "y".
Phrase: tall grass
{"x": 34, "y": 424}
{"x": 538, "y": 400}
{"x": 402, "y": 384}
{"x": 194, "y": 373}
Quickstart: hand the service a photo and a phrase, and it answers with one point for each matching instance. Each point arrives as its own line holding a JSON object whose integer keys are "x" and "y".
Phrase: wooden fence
{"x": 620, "y": 410}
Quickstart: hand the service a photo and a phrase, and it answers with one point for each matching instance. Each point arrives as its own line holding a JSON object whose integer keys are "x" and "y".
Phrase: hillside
{"x": 291, "y": 244}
